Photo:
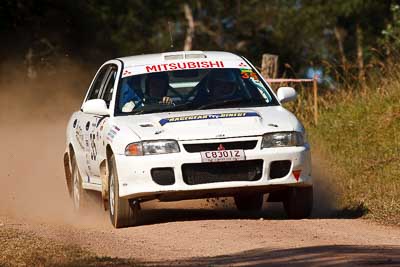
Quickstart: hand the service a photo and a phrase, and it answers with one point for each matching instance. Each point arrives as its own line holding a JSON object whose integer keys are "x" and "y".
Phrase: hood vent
{"x": 183, "y": 55}
{"x": 197, "y": 55}
{"x": 173, "y": 57}
{"x": 146, "y": 125}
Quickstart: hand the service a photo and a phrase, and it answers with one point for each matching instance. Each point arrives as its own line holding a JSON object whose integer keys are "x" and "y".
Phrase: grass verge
{"x": 21, "y": 248}
{"x": 360, "y": 138}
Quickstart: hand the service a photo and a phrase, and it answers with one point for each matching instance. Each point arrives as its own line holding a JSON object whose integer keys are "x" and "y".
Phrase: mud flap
{"x": 104, "y": 183}
{"x": 68, "y": 173}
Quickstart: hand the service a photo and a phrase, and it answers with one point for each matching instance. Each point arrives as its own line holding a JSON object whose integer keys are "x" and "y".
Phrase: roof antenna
{"x": 170, "y": 34}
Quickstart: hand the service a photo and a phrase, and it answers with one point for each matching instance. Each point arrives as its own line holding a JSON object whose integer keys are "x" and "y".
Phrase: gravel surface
{"x": 39, "y": 227}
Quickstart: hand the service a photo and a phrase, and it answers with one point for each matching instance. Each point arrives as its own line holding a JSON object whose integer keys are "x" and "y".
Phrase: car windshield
{"x": 192, "y": 89}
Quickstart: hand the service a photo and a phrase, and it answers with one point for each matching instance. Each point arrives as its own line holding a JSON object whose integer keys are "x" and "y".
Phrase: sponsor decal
{"x": 185, "y": 65}
{"x": 209, "y": 117}
{"x": 79, "y": 136}
{"x": 296, "y": 174}
{"x": 248, "y": 73}
{"x": 126, "y": 73}
{"x": 112, "y": 133}
{"x": 93, "y": 148}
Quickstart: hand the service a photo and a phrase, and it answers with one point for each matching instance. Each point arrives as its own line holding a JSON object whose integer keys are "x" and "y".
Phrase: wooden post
{"x": 360, "y": 59}
{"x": 269, "y": 66}
{"x": 315, "y": 93}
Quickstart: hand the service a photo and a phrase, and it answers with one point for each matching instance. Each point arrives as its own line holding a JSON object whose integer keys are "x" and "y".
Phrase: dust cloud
{"x": 325, "y": 191}
{"x": 33, "y": 118}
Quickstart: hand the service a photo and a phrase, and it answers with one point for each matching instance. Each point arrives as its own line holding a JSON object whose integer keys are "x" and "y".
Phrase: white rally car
{"x": 186, "y": 125}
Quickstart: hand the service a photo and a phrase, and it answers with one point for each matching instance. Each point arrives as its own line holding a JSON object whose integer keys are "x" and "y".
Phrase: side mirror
{"x": 95, "y": 106}
{"x": 286, "y": 94}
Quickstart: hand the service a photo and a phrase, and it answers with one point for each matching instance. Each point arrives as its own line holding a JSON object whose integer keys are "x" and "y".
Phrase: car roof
{"x": 160, "y": 58}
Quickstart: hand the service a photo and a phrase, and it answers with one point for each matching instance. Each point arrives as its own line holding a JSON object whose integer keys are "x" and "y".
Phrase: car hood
{"x": 210, "y": 124}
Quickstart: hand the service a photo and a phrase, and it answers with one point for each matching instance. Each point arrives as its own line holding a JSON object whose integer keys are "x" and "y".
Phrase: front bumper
{"x": 135, "y": 180}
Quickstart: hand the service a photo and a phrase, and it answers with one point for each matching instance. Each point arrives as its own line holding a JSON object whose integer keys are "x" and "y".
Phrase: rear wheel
{"x": 249, "y": 203}
{"x": 79, "y": 195}
{"x": 298, "y": 202}
{"x": 122, "y": 212}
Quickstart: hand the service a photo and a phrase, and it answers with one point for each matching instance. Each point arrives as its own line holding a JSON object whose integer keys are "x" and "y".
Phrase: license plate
{"x": 222, "y": 155}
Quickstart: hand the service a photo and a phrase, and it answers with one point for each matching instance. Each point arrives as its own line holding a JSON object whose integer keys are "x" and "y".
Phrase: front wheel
{"x": 249, "y": 203}
{"x": 122, "y": 213}
{"x": 298, "y": 202}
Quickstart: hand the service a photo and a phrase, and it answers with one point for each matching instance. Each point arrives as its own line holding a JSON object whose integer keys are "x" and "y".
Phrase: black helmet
{"x": 221, "y": 83}
{"x": 160, "y": 76}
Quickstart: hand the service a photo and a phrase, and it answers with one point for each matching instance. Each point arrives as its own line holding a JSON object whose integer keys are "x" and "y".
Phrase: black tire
{"x": 122, "y": 213}
{"x": 79, "y": 195}
{"x": 249, "y": 202}
{"x": 298, "y": 202}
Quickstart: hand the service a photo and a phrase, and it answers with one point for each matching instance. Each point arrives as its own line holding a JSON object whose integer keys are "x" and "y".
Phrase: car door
{"x": 88, "y": 124}
{"x": 96, "y": 135}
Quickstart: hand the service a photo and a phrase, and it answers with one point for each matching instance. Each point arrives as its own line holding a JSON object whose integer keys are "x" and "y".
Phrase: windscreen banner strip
{"x": 209, "y": 117}
{"x": 184, "y": 65}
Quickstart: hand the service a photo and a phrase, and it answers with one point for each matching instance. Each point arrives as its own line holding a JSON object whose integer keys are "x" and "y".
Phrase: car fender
{"x": 116, "y": 137}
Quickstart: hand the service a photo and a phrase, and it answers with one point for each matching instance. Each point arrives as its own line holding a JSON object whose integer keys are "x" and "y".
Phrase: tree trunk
{"x": 360, "y": 58}
{"x": 30, "y": 66}
{"x": 339, "y": 38}
{"x": 190, "y": 27}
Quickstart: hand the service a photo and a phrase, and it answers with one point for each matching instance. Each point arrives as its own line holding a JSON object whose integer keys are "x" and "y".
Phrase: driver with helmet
{"x": 221, "y": 85}
{"x": 156, "y": 89}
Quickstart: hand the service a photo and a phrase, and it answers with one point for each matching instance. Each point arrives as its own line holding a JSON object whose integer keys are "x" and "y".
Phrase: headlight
{"x": 152, "y": 148}
{"x": 282, "y": 139}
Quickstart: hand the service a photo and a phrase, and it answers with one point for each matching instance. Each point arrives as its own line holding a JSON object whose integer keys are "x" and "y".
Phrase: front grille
{"x": 193, "y": 148}
{"x": 204, "y": 173}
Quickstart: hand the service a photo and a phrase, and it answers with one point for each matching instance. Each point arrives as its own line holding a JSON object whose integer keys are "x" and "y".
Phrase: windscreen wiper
{"x": 179, "y": 107}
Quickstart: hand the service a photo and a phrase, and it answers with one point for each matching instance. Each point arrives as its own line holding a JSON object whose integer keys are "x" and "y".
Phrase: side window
{"x": 109, "y": 87}
{"x": 96, "y": 86}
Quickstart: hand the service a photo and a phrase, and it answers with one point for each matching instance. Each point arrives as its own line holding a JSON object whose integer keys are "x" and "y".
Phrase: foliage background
{"x": 354, "y": 43}
{"x": 301, "y": 32}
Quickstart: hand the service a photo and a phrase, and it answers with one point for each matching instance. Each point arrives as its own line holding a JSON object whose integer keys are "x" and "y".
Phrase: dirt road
{"x": 34, "y": 202}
